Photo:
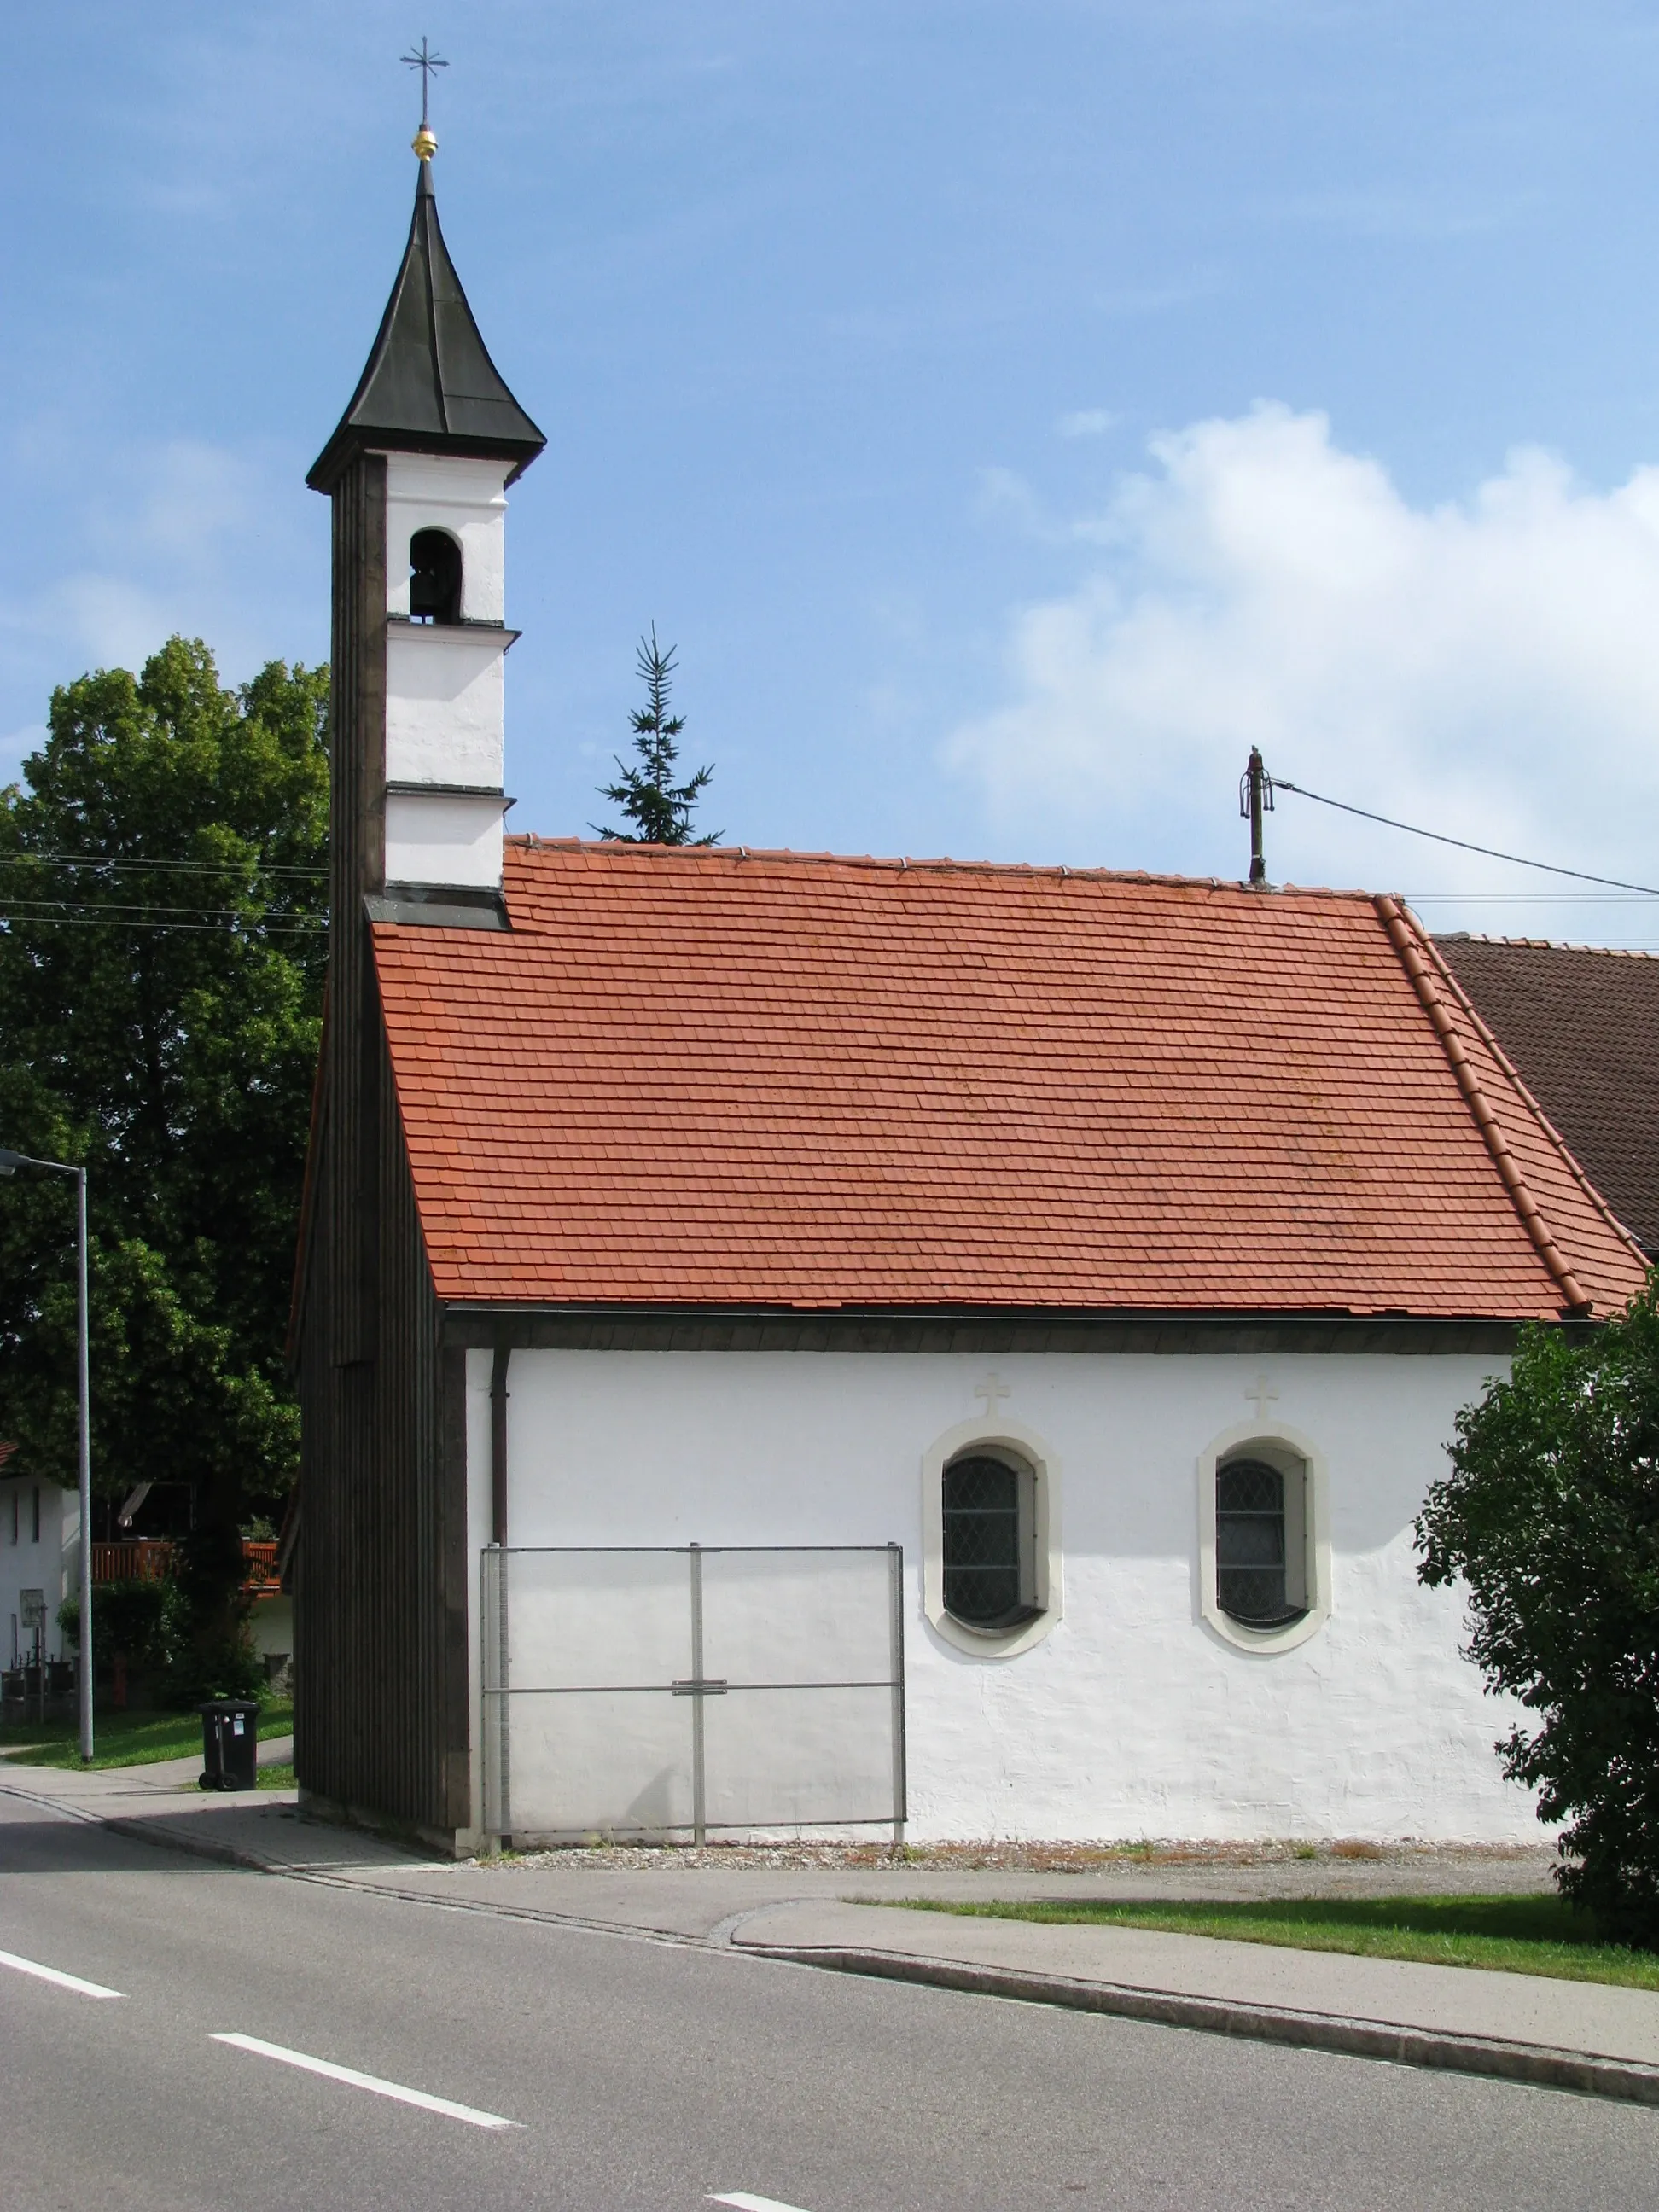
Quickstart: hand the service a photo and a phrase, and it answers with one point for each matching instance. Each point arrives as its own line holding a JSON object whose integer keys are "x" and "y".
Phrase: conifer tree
{"x": 658, "y": 808}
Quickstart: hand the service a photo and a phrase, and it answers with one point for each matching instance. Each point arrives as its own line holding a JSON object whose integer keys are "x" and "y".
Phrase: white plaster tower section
{"x": 445, "y": 672}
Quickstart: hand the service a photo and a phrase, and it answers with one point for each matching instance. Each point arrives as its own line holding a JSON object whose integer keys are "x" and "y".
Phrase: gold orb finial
{"x": 425, "y": 141}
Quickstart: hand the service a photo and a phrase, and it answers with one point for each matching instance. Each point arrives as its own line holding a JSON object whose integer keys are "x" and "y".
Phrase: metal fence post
{"x": 895, "y": 1669}
{"x": 699, "y": 1802}
{"x": 495, "y": 1719}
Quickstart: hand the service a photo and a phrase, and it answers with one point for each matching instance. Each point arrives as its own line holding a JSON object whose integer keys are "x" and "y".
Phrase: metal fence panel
{"x": 597, "y": 1619}
{"x": 795, "y": 1616}
{"x": 601, "y": 1762}
{"x": 817, "y": 1757}
{"x": 657, "y": 1692}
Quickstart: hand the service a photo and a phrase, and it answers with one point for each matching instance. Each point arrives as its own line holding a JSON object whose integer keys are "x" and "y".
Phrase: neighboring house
{"x": 1581, "y": 1026}
{"x": 40, "y": 1562}
{"x": 271, "y": 1609}
{"x": 796, "y": 1342}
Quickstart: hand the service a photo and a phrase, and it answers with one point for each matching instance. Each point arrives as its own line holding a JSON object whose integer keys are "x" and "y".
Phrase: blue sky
{"x": 1012, "y": 411}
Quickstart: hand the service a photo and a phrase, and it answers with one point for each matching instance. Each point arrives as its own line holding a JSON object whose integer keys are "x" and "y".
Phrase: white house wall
{"x": 1131, "y": 1717}
{"x": 52, "y": 1565}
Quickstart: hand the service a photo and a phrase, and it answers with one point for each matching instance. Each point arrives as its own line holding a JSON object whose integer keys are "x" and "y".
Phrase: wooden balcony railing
{"x": 259, "y": 1566}
{"x": 153, "y": 1559}
{"x": 134, "y": 1560}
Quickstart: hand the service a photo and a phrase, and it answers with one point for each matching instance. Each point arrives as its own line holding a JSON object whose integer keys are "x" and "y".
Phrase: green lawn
{"x": 124, "y": 1738}
{"x": 1515, "y": 1935}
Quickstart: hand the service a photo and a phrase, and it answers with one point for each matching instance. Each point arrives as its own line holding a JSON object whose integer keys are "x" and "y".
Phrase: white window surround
{"x": 1293, "y": 1454}
{"x": 1027, "y": 1447}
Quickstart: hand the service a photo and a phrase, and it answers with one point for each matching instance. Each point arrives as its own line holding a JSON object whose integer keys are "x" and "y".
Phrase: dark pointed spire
{"x": 429, "y": 386}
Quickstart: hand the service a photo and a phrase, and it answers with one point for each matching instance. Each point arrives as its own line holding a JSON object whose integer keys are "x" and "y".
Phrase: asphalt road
{"x": 645, "y": 2074}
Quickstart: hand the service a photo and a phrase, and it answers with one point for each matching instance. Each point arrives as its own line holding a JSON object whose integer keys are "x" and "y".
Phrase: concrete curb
{"x": 196, "y": 1847}
{"x": 150, "y": 1832}
{"x": 1532, "y": 2062}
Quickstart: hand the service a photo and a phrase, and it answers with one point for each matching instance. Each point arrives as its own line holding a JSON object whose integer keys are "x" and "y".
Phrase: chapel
{"x": 792, "y": 1344}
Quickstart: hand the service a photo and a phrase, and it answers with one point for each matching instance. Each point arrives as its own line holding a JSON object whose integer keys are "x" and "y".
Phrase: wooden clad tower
{"x": 417, "y": 471}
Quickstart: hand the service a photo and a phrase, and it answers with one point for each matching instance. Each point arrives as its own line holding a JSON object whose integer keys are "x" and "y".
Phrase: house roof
{"x": 429, "y": 386}
{"x": 787, "y": 1080}
{"x": 1581, "y": 1026}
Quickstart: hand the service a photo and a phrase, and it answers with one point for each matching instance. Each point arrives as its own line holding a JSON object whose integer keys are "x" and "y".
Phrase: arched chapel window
{"x": 989, "y": 1542}
{"x": 434, "y": 577}
{"x": 1260, "y": 1518}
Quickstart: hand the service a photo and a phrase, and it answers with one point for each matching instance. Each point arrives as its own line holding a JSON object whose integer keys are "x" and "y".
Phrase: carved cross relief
{"x": 991, "y": 1389}
{"x": 1263, "y": 1395}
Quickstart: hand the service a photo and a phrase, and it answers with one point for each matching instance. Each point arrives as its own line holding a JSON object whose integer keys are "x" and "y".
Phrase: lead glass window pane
{"x": 1250, "y": 1545}
{"x": 982, "y": 1543}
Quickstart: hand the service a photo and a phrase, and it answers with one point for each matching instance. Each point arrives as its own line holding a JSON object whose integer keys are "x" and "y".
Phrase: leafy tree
{"x": 162, "y": 916}
{"x": 1551, "y": 1515}
{"x": 659, "y": 808}
{"x": 144, "y": 1623}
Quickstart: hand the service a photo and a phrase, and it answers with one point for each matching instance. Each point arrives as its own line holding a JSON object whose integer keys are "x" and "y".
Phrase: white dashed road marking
{"x": 51, "y": 1974}
{"x": 744, "y": 2203}
{"x": 372, "y": 2082}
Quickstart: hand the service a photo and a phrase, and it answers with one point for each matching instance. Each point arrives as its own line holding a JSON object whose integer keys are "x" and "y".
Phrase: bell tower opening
{"x": 434, "y": 577}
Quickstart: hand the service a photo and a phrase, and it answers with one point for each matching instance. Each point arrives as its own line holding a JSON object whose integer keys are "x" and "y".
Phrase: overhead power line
{"x": 118, "y": 909}
{"x": 249, "y": 933}
{"x": 168, "y": 868}
{"x": 1412, "y": 829}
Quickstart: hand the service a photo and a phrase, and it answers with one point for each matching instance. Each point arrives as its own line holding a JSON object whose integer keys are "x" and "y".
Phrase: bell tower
{"x": 417, "y": 471}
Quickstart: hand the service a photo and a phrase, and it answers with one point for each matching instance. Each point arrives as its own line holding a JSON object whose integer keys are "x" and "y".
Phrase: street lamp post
{"x": 10, "y": 1163}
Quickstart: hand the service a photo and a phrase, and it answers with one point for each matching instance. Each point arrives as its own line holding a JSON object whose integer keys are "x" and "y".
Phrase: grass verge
{"x": 123, "y": 1739}
{"x": 1511, "y": 1934}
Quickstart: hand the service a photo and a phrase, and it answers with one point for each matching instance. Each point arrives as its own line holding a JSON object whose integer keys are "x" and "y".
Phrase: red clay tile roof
{"x": 785, "y": 1080}
{"x": 1583, "y": 1027}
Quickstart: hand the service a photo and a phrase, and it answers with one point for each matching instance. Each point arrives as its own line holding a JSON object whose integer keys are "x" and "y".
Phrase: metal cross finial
{"x": 426, "y": 61}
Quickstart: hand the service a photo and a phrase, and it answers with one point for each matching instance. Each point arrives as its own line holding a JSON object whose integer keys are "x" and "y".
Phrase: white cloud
{"x": 1087, "y": 422}
{"x": 179, "y": 536}
{"x": 1004, "y": 495}
{"x": 16, "y": 748}
{"x": 190, "y": 495}
{"x": 111, "y": 621}
{"x": 1488, "y": 668}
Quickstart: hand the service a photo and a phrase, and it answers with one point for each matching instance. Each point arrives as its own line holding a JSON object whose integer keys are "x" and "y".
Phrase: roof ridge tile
{"x": 1532, "y": 1106}
{"x": 1541, "y": 943}
{"x": 1427, "y": 970}
{"x": 531, "y": 842}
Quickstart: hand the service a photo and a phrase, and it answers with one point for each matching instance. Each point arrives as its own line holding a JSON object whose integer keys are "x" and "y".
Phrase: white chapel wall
{"x": 1131, "y": 1717}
